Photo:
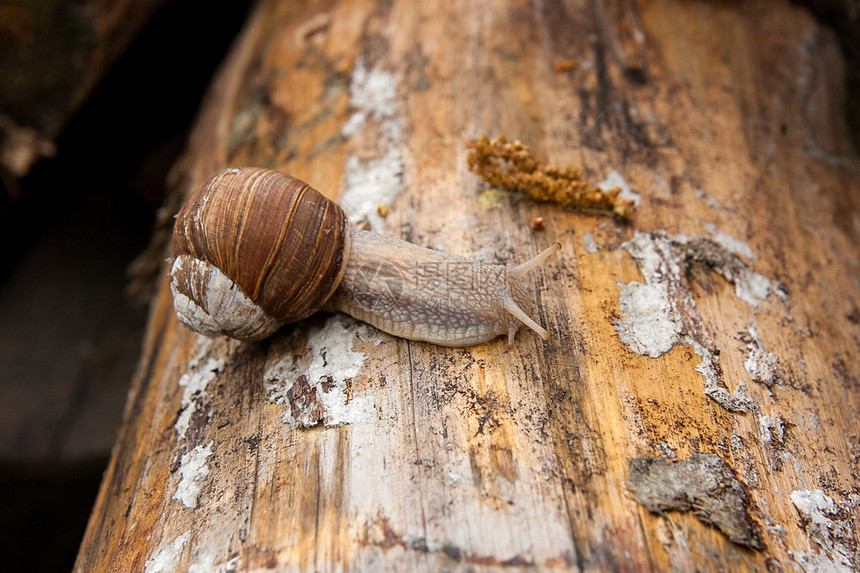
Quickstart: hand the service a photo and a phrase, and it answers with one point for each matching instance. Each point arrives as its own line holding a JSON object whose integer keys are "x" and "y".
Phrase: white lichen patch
{"x": 614, "y": 180}
{"x": 657, "y": 255}
{"x": 729, "y": 243}
{"x": 372, "y": 94}
{"x": 771, "y": 429}
{"x": 752, "y": 287}
{"x": 194, "y": 383}
{"x": 193, "y": 469}
{"x": 166, "y": 559}
{"x": 832, "y": 536}
{"x": 762, "y": 366}
{"x": 372, "y": 183}
{"x": 589, "y": 243}
{"x": 661, "y": 312}
{"x": 369, "y": 183}
{"x": 316, "y": 388}
{"x": 649, "y": 324}
{"x": 715, "y": 388}
{"x": 206, "y": 563}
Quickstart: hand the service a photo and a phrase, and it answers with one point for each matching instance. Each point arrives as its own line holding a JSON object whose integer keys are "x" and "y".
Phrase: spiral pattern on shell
{"x": 281, "y": 242}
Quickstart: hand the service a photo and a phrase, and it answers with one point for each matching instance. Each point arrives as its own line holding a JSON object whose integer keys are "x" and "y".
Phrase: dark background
{"x": 69, "y": 335}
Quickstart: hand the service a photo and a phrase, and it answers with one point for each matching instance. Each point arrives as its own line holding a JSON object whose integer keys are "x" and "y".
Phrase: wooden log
{"x": 696, "y": 406}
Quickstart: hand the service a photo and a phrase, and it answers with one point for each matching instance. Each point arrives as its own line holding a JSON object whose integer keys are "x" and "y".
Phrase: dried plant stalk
{"x": 512, "y": 166}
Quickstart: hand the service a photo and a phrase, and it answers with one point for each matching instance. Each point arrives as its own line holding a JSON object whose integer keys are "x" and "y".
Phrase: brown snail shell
{"x": 255, "y": 249}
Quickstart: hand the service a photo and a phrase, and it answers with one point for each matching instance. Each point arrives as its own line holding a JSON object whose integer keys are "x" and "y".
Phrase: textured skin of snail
{"x": 255, "y": 249}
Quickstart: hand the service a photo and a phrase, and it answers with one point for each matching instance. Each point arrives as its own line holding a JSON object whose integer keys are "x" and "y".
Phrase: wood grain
{"x": 335, "y": 447}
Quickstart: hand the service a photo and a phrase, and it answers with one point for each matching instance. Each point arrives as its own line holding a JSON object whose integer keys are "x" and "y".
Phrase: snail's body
{"x": 256, "y": 249}
{"x": 423, "y": 294}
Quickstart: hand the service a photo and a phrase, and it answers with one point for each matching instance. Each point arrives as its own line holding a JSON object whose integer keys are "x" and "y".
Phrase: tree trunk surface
{"x": 697, "y": 405}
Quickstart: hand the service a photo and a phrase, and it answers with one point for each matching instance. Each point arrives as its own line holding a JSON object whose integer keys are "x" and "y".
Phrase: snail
{"x": 255, "y": 249}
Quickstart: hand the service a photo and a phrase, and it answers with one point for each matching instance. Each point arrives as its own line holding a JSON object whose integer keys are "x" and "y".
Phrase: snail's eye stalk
{"x": 518, "y": 313}
{"x": 519, "y": 270}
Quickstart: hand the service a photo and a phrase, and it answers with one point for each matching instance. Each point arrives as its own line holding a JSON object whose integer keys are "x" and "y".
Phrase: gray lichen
{"x": 830, "y": 531}
{"x": 589, "y": 243}
{"x": 661, "y": 312}
{"x": 762, "y": 366}
{"x": 314, "y": 387}
{"x": 649, "y": 325}
{"x": 703, "y": 483}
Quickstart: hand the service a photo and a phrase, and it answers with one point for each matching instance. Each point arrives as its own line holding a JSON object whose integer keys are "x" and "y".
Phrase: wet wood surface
{"x": 696, "y": 406}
